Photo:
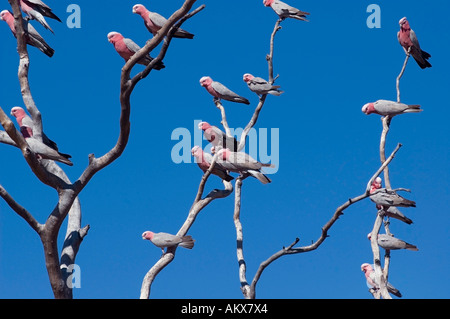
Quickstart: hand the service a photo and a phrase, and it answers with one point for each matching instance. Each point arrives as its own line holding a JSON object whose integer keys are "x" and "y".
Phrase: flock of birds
{"x": 229, "y": 159}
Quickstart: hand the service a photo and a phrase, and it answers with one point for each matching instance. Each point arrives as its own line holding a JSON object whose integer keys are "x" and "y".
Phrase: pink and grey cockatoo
{"x": 127, "y": 48}
{"x": 285, "y": 11}
{"x": 33, "y": 38}
{"x": 408, "y": 39}
{"x": 220, "y": 91}
{"x": 387, "y": 198}
{"x": 240, "y": 162}
{"x": 24, "y": 120}
{"x": 391, "y": 243}
{"x": 261, "y": 86}
{"x": 163, "y": 240}
{"x": 394, "y": 212}
{"x": 372, "y": 281}
{"x": 218, "y": 138}
{"x": 43, "y": 151}
{"x": 154, "y": 21}
{"x": 204, "y": 161}
{"x": 391, "y": 108}
{"x": 37, "y": 10}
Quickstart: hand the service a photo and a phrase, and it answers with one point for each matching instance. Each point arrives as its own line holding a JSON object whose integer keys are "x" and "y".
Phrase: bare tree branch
{"x": 401, "y": 73}
{"x": 290, "y": 250}
{"x": 20, "y": 210}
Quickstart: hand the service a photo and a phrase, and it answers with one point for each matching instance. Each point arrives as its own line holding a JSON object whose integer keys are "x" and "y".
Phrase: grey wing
{"x": 414, "y": 39}
{"x": 157, "y": 19}
{"x": 38, "y": 3}
{"x": 131, "y": 45}
{"x": 246, "y": 161}
{"x": 223, "y": 90}
{"x": 389, "y": 107}
{"x": 262, "y": 84}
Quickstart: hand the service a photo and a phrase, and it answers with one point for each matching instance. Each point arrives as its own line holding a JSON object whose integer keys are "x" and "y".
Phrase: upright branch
{"x": 401, "y": 73}
{"x": 262, "y": 99}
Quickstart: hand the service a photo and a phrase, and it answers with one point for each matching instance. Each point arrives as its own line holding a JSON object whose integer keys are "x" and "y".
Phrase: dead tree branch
{"x": 290, "y": 250}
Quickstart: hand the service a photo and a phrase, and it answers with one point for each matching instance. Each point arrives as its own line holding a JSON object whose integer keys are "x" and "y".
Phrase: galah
{"x": 204, "y": 161}
{"x": 37, "y": 10}
{"x": 218, "y": 138}
{"x": 127, "y": 48}
{"x": 154, "y": 21}
{"x": 25, "y": 121}
{"x": 33, "y": 38}
{"x": 391, "y": 243}
{"x": 386, "y": 198}
{"x": 369, "y": 273}
{"x": 261, "y": 86}
{"x": 408, "y": 39}
{"x": 385, "y": 107}
{"x": 163, "y": 240}
{"x": 44, "y": 151}
{"x": 394, "y": 212}
{"x": 220, "y": 91}
{"x": 240, "y": 162}
{"x": 285, "y": 11}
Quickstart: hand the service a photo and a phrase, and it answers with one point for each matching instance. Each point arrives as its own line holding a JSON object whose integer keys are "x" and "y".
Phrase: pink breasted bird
{"x": 261, "y": 86}
{"x": 392, "y": 211}
{"x": 204, "y": 161}
{"x": 408, "y": 39}
{"x": 391, "y": 108}
{"x": 387, "y": 198}
{"x": 127, "y": 48}
{"x": 43, "y": 151}
{"x": 372, "y": 281}
{"x": 25, "y": 121}
{"x": 240, "y": 162}
{"x": 163, "y": 240}
{"x": 391, "y": 243}
{"x": 37, "y": 10}
{"x": 218, "y": 138}
{"x": 220, "y": 91}
{"x": 33, "y": 38}
{"x": 285, "y": 11}
{"x": 154, "y": 22}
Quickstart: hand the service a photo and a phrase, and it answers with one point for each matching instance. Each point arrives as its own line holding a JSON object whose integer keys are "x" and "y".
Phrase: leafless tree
{"x": 49, "y": 173}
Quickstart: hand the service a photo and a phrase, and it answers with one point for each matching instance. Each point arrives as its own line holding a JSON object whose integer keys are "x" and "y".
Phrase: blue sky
{"x": 328, "y": 150}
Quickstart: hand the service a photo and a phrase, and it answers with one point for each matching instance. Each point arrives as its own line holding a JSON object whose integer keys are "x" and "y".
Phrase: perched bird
{"x": 37, "y": 10}
{"x": 285, "y": 11}
{"x": 163, "y": 240}
{"x": 25, "y": 121}
{"x": 33, "y": 38}
{"x": 204, "y": 161}
{"x": 218, "y": 138}
{"x": 42, "y": 150}
{"x": 394, "y": 212}
{"x": 384, "y": 107}
{"x": 408, "y": 39}
{"x": 220, "y": 91}
{"x": 391, "y": 243}
{"x": 261, "y": 86}
{"x": 369, "y": 272}
{"x": 387, "y": 198}
{"x": 154, "y": 21}
{"x": 240, "y": 162}
{"x": 127, "y": 48}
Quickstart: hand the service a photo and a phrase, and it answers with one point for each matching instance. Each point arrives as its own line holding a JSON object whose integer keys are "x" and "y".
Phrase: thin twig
{"x": 401, "y": 73}
{"x": 224, "y": 117}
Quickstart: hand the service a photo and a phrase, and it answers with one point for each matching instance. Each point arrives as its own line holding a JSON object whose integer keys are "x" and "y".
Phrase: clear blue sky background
{"x": 328, "y": 69}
